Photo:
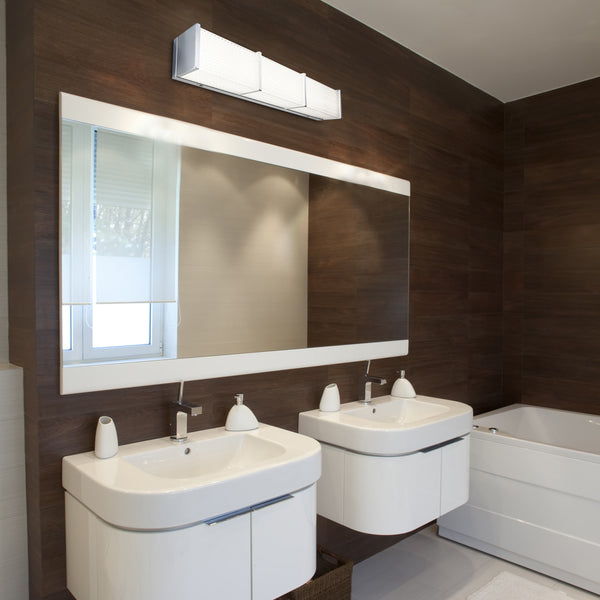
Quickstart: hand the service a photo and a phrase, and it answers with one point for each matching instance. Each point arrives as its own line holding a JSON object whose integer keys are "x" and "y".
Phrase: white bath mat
{"x": 508, "y": 586}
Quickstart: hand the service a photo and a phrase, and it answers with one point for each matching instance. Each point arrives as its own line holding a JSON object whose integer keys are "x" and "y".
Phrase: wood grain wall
{"x": 357, "y": 264}
{"x": 552, "y": 249}
{"x": 402, "y": 116}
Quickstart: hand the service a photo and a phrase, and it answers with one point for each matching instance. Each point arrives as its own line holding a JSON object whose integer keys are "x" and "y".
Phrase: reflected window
{"x": 119, "y": 253}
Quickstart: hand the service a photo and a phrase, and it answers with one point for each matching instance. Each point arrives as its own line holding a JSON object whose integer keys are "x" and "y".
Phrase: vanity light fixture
{"x": 207, "y": 60}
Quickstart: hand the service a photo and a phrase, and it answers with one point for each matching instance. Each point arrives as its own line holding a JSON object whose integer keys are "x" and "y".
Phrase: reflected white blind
{"x": 124, "y": 170}
{"x": 76, "y": 209}
{"x": 133, "y": 200}
{"x": 66, "y": 172}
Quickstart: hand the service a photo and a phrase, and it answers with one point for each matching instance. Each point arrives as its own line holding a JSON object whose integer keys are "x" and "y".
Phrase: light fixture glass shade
{"x": 322, "y": 102}
{"x": 207, "y": 60}
{"x": 279, "y": 85}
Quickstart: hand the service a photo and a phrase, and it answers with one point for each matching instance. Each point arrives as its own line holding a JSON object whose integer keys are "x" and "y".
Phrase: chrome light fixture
{"x": 207, "y": 60}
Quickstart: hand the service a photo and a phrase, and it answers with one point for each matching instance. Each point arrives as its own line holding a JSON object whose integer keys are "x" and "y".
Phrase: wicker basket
{"x": 332, "y": 579}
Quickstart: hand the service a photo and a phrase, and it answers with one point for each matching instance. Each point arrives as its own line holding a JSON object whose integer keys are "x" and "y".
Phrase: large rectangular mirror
{"x": 188, "y": 253}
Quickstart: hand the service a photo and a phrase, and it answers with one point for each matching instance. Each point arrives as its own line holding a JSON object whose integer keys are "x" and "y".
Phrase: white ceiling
{"x": 508, "y": 48}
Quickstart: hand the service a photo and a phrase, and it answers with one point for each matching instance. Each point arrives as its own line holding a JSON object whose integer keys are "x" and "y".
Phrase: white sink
{"x": 389, "y": 426}
{"x": 159, "y": 484}
{"x": 393, "y": 465}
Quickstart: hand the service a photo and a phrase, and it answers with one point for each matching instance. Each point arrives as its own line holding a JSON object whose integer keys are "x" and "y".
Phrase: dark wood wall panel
{"x": 552, "y": 249}
{"x": 402, "y": 116}
{"x": 348, "y": 271}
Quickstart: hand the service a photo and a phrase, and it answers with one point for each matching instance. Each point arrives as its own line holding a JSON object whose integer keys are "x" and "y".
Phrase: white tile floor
{"x": 427, "y": 567}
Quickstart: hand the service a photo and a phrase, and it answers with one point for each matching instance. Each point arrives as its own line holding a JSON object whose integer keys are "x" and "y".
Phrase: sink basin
{"x": 208, "y": 457}
{"x": 401, "y": 411}
{"x": 158, "y": 484}
{"x": 389, "y": 426}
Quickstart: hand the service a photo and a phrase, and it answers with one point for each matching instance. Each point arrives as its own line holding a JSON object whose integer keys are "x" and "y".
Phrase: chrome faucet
{"x": 370, "y": 379}
{"x": 178, "y": 414}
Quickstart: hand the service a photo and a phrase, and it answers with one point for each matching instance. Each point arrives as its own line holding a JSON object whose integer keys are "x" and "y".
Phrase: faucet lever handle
{"x": 187, "y": 409}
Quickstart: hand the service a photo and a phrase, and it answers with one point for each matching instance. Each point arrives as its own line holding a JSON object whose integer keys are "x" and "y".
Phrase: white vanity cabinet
{"x": 388, "y": 495}
{"x": 455, "y": 470}
{"x": 227, "y": 515}
{"x": 258, "y": 554}
{"x": 284, "y": 545}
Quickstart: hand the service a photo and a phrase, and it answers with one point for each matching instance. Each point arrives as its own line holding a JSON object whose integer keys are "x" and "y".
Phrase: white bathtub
{"x": 534, "y": 492}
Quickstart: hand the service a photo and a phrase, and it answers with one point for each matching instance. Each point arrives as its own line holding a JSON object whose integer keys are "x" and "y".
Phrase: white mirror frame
{"x": 94, "y": 377}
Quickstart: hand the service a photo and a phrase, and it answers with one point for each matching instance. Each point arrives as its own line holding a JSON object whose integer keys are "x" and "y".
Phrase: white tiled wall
{"x": 13, "y": 520}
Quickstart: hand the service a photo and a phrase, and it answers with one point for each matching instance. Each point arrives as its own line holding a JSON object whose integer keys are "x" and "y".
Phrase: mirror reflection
{"x": 177, "y": 250}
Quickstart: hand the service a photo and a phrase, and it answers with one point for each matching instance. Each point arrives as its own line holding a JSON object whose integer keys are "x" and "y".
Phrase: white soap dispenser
{"x": 240, "y": 417}
{"x": 107, "y": 443}
{"x": 403, "y": 388}
{"x": 330, "y": 399}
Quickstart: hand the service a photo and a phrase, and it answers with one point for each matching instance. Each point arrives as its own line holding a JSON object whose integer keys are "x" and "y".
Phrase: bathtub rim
{"x": 508, "y": 438}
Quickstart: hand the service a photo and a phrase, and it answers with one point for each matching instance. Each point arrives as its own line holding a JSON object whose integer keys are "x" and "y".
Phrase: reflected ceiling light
{"x": 207, "y": 60}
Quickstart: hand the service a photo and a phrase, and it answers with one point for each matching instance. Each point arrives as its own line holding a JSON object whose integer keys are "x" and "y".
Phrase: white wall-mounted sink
{"x": 392, "y": 465}
{"x": 389, "y": 426}
{"x": 222, "y": 515}
{"x": 159, "y": 484}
